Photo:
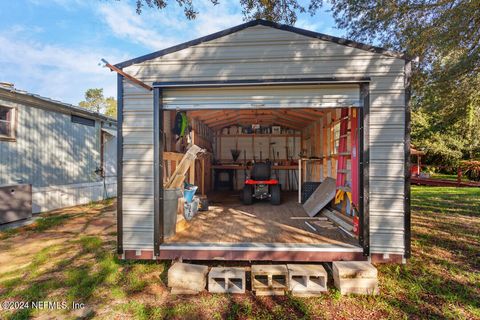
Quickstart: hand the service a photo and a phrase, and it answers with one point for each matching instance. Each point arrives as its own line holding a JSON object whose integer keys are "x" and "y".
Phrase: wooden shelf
{"x": 242, "y": 167}
{"x": 258, "y": 135}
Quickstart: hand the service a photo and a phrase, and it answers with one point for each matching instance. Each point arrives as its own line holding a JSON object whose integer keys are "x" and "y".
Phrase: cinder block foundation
{"x": 186, "y": 278}
{"x": 355, "y": 277}
{"x": 226, "y": 280}
{"x": 307, "y": 280}
{"x": 269, "y": 280}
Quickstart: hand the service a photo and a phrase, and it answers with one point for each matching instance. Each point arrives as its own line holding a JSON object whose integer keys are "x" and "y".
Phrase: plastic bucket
{"x": 189, "y": 193}
{"x": 170, "y": 205}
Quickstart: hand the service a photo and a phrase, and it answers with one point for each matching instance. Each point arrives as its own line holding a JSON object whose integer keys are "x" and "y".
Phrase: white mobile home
{"x": 52, "y": 154}
{"x": 315, "y": 106}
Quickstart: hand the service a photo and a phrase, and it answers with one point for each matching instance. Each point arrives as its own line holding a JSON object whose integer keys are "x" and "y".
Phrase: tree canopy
{"x": 443, "y": 34}
{"x": 95, "y": 101}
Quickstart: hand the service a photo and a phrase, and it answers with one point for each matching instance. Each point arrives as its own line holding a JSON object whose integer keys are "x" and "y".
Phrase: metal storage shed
{"x": 281, "y": 75}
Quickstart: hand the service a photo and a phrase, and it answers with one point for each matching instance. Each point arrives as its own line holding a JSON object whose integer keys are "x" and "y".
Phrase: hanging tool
{"x": 278, "y": 157}
{"x": 274, "y": 159}
{"x": 245, "y": 164}
{"x": 272, "y": 150}
{"x": 181, "y": 124}
{"x": 294, "y": 174}
{"x": 287, "y": 173}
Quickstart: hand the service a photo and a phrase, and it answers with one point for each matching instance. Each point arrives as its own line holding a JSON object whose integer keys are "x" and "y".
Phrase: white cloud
{"x": 212, "y": 18}
{"x": 125, "y": 23}
{"x": 158, "y": 29}
{"x": 54, "y": 71}
{"x": 309, "y": 25}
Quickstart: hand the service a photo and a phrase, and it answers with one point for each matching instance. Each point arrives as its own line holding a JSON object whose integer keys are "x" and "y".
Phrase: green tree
{"x": 111, "y": 107}
{"x": 95, "y": 101}
{"x": 443, "y": 34}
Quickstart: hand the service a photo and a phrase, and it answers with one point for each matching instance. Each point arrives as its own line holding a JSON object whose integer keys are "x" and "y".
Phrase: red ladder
{"x": 343, "y": 155}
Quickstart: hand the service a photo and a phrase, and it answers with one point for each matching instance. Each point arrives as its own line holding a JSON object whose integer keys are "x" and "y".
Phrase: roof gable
{"x": 266, "y": 23}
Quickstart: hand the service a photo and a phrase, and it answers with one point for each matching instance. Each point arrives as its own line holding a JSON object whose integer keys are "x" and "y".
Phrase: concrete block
{"x": 357, "y": 277}
{"x": 186, "y": 278}
{"x": 226, "y": 280}
{"x": 354, "y": 269}
{"x": 269, "y": 279}
{"x": 307, "y": 280}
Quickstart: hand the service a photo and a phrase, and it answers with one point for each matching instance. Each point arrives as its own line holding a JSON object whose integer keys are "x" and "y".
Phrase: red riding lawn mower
{"x": 261, "y": 186}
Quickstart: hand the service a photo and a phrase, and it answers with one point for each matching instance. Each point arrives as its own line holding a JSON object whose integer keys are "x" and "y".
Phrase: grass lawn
{"x": 446, "y": 176}
{"x": 68, "y": 256}
{"x": 450, "y": 177}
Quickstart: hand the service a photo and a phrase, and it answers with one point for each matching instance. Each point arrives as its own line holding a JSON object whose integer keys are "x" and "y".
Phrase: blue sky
{"x": 53, "y": 47}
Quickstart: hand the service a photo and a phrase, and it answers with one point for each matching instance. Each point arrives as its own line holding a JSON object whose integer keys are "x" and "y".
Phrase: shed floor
{"x": 228, "y": 221}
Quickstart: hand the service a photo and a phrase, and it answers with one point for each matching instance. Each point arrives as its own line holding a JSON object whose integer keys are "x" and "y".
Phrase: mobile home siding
{"x": 49, "y": 149}
{"x": 262, "y": 52}
{"x": 55, "y": 155}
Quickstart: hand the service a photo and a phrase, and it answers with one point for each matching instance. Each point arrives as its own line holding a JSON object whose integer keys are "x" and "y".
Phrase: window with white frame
{"x": 7, "y": 122}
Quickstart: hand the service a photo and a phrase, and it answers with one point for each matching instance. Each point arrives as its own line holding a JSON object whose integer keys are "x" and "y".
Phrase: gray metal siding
{"x": 261, "y": 52}
{"x": 137, "y": 167}
{"x": 49, "y": 149}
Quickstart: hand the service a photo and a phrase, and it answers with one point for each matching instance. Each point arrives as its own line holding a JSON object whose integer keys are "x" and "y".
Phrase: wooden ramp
{"x": 322, "y": 196}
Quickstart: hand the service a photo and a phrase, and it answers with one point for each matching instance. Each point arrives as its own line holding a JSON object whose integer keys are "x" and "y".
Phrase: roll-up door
{"x": 274, "y": 96}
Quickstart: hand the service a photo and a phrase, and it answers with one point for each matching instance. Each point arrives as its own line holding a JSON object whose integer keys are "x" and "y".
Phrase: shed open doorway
{"x": 304, "y": 146}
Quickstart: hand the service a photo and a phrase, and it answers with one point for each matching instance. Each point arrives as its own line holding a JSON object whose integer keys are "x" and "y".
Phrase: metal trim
{"x": 364, "y": 234}
{"x": 158, "y": 231}
{"x": 307, "y": 33}
{"x": 407, "y": 188}
{"x": 246, "y": 255}
{"x": 261, "y": 82}
{"x": 119, "y": 164}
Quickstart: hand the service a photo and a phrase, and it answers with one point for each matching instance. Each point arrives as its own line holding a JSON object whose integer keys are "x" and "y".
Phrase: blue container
{"x": 189, "y": 193}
